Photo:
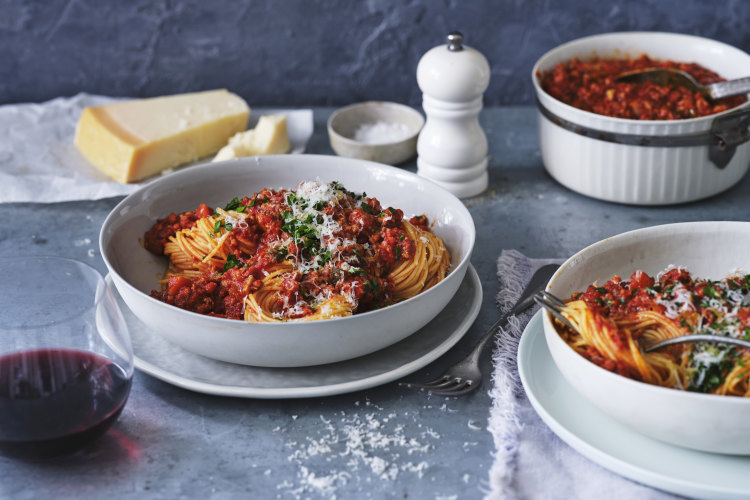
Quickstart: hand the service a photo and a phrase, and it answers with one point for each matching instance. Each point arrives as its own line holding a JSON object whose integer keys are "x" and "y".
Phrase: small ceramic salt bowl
{"x": 384, "y": 132}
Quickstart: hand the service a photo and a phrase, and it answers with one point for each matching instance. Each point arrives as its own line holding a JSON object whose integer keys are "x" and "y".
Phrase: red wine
{"x": 53, "y": 401}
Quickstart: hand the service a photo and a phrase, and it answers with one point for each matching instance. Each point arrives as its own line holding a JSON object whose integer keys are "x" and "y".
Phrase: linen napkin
{"x": 39, "y": 162}
{"x": 530, "y": 461}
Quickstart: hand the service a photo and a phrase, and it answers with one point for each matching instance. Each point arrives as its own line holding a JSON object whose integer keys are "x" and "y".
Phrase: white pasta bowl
{"x": 135, "y": 271}
{"x": 704, "y": 422}
{"x": 587, "y": 152}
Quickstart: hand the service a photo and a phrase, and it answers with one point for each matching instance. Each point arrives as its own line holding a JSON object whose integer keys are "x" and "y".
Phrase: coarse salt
{"x": 381, "y": 132}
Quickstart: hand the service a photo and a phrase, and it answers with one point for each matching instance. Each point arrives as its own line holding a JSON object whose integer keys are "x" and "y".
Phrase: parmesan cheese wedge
{"x": 269, "y": 137}
{"x": 132, "y": 140}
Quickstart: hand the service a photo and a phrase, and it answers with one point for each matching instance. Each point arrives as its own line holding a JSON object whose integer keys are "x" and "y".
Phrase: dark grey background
{"x": 309, "y": 52}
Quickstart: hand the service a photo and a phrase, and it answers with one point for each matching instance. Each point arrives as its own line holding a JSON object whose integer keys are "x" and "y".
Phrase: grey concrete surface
{"x": 309, "y": 52}
{"x": 173, "y": 443}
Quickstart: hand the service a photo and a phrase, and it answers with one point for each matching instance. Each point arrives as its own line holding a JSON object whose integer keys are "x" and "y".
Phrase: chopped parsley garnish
{"x": 232, "y": 261}
{"x": 372, "y": 284}
{"x": 259, "y": 201}
{"x": 281, "y": 253}
{"x": 235, "y": 205}
{"x": 325, "y": 256}
{"x": 299, "y": 229}
{"x": 339, "y": 187}
{"x": 709, "y": 291}
{"x": 357, "y": 271}
{"x": 707, "y": 376}
{"x": 306, "y": 223}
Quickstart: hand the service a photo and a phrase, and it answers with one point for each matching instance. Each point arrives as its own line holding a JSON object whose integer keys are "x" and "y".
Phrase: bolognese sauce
{"x": 286, "y": 254}
{"x": 614, "y": 321}
{"x": 591, "y": 86}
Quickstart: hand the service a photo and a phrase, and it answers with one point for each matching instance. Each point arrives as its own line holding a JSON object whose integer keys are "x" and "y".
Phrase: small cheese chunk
{"x": 269, "y": 137}
{"x": 132, "y": 140}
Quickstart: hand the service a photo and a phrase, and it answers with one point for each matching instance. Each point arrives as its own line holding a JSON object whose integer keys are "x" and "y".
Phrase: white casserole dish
{"x": 706, "y": 422}
{"x": 635, "y": 174}
{"x": 135, "y": 271}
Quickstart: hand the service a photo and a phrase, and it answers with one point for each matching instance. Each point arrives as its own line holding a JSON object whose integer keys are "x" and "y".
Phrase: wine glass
{"x": 66, "y": 362}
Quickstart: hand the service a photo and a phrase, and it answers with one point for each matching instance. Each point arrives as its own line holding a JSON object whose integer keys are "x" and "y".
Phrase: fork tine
{"x": 553, "y": 308}
{"x": 445, "y": 386}
{"x": 423, "y": 387}
{"x": 445, "y": 383}
{"x": 552, "y": 298}
{"x": 466, "y": 390}
{"x": 440, "y": 381}
{"x": 463, "y": 387}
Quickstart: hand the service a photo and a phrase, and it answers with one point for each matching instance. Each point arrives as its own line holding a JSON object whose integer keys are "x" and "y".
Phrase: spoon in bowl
{"x": 678, "y": 78}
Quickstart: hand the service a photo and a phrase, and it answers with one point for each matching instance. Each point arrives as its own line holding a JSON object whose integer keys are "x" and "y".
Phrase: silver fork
{"x": 555, "y": 305}
{"x": 465, "y": 376}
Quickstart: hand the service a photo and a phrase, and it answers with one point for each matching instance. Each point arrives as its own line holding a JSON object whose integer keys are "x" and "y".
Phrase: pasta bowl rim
{"x": 289, "y": 329}
{"x": 583, "y": 116}
{"x": 586, "y": 377}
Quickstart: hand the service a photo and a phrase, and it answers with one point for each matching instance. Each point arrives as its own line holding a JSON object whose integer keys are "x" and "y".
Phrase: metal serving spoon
{"x": 676, "y": 77}
{"x": 555, "y": 305}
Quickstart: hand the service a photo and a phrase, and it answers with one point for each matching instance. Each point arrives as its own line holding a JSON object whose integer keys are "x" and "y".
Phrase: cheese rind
{"x": 269, "y": 137}
{"x": 132, "y": 140}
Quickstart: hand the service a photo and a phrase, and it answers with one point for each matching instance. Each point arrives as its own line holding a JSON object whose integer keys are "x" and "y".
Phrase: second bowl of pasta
{"x": 634, "y": 289}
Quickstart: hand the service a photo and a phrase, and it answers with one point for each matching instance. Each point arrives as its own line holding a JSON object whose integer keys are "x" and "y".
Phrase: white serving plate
{"x": 135, "y": 271}
{"x": 617, "y": 447}
{"x": 633, "y": 174}
{"x": 706, "y": 422}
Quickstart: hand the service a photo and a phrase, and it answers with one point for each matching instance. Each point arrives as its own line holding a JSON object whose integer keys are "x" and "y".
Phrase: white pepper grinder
{"x": 452, "y": 147}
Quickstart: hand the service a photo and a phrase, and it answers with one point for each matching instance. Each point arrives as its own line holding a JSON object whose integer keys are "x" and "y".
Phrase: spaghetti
{"x": 614, "y": 321}
{"x": 316, "y": 252}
